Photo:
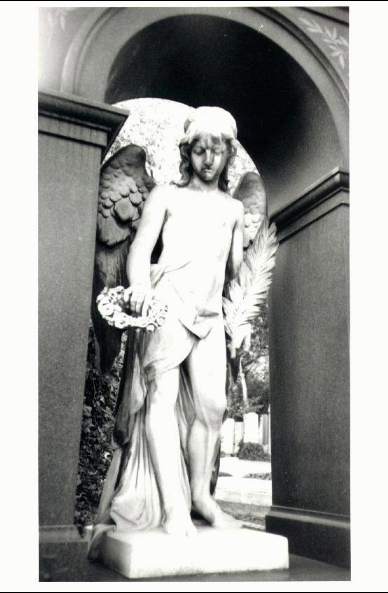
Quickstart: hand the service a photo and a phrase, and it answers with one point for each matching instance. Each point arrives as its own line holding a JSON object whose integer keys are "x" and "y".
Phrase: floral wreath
{"x": 112, "y": 303}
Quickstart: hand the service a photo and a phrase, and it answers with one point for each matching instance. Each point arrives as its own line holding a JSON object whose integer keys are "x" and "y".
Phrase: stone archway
{"x": 291, "y": 105}
{"x": 288, "y": 100}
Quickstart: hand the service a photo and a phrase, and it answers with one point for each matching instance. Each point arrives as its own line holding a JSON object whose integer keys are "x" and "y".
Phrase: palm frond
{"x": 246, "y": 293}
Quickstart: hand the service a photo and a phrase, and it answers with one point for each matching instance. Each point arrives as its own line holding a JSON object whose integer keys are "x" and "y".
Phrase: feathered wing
{"x": 250, "y": 191}
{"x": 124, "y": 187}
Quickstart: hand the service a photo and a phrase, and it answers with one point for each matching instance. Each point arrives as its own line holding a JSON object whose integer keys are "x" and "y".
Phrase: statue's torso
{"x": 197, "y": 235}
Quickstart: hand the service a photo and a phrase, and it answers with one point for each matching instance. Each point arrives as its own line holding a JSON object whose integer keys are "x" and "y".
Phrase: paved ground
{"x": 251, "y": 515}
{"x": 243, "y": 467}
{"x": 234, "y": 487}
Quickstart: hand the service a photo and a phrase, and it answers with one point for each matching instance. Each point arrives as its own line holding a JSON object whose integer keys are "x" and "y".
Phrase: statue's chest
{"x": 203, "y": 223}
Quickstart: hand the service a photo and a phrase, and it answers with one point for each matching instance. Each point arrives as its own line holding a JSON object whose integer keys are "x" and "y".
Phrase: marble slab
{"x": 154, "y": 553}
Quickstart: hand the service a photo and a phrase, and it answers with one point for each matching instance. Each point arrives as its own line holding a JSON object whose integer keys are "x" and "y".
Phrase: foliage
{"x": 255, "y": 366}
{"x": 97, "y": 425}
{"x": 252, "y": 452}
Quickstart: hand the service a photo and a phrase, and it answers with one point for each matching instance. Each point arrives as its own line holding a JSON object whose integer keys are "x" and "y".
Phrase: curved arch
{"x": 109, "y": 32}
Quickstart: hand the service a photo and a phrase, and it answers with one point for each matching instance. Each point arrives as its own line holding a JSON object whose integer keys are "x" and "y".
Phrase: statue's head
{"x": 208, "y": 146}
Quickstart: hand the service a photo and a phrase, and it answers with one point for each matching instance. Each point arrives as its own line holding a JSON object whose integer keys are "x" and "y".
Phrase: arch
{"x": 289, "y": 103}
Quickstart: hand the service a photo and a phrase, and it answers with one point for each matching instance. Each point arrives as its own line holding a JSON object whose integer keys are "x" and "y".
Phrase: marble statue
{"x": 207, "y": 257}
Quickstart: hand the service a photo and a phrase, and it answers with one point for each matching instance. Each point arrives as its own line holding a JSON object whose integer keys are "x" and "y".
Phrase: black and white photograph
{"x": 193, "y": 295}
{"x": 200, "y": 164}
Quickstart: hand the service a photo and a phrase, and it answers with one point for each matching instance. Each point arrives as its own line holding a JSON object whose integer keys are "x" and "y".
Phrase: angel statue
{"x": 193, "y": 264}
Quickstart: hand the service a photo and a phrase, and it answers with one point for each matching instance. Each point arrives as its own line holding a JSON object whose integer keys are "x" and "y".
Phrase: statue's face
{"x": 208, "y": 157}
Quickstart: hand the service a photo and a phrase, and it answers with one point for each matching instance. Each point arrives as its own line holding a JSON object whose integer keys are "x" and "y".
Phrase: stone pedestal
{"x": 73, "y": 136}
{"x": 155, "y": 554}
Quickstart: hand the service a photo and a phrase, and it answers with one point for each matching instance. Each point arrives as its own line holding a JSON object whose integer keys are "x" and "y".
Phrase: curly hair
{"x": 186, "y": 168}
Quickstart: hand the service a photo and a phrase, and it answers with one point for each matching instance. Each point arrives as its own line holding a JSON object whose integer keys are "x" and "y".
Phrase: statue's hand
{"x": 139, "y": 298}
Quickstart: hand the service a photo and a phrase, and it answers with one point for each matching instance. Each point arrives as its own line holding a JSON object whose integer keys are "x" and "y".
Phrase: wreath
{"x": 112, "y": 305}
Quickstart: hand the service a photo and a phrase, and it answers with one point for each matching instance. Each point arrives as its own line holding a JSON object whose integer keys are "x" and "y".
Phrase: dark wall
{"x": 72, "y": 138}
{"x": 309, "y": 372}
{"x": 66, "y": 226}
{"x": 310, "y": 367}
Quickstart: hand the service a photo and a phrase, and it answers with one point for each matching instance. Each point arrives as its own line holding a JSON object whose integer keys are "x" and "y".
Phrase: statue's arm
{"x": 139, "y": 257}
{"x": 236, "y": 249}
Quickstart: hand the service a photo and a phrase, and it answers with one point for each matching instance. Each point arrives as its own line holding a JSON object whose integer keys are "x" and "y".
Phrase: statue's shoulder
{"x": 235, "y": 206}
{"x": 162, "y": 195}
{"x": 165, "y": 191}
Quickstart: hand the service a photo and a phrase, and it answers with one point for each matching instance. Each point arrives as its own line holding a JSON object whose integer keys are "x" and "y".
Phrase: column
{"x": 309, "y": 374}
{"x": 73, "y": 137}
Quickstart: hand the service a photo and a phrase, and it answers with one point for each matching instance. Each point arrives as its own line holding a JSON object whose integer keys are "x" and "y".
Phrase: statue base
{"x": 151, "y": 554}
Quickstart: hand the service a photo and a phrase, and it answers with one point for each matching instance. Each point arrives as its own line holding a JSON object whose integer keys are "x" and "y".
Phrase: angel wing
{"x": 250, "y": 191}
{"x": 124, "y": 187}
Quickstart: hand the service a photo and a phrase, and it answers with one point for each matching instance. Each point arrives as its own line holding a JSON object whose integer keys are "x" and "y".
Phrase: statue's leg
{"x": 164, "y": 444}
{"x": 206, "y": 366}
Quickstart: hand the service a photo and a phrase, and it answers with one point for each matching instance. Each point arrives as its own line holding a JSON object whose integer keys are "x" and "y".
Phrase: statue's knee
{"x": 213, "y": 412}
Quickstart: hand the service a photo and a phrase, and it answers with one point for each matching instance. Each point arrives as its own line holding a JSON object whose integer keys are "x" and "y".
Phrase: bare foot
{"x": 179, "y": 523}
{"x": 209, "y": 509}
